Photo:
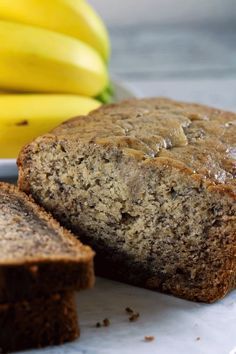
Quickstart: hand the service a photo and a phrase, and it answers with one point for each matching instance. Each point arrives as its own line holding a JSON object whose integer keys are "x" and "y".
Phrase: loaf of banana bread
{"x": 150, "y": 185}
{"x": 44, "y": 321}
{"x": 37, "y": 256}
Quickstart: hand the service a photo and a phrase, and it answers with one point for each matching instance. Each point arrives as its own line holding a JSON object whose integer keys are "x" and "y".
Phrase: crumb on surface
{"x": 134, "y": 317}
{"x": 129, "y": 310}
{"x": 106, "y": 322}
{"x": 198, "y": 338}
{"x": 149, "y": 338}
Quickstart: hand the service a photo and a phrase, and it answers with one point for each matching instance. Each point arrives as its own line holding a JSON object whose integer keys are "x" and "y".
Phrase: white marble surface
{"x": 179, "y": 326}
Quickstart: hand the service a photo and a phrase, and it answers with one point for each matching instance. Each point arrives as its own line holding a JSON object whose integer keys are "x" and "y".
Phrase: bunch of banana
{"x": 53, "y": 62}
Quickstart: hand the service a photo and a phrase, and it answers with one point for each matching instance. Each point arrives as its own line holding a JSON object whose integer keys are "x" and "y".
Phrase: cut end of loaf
{"x": 150, "y": 217}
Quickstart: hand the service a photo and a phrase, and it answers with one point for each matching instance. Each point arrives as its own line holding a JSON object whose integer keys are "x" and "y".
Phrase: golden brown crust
{"x": 42, "y": 322}
{"x": 200, "y": 137}
{"x": 29, "y": 277}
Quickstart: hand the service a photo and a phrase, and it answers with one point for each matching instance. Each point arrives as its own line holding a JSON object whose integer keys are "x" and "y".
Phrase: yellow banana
{"x": 23, "y": 117}
{"x": 37, "y": 60}
{"x": 75, "y": 18}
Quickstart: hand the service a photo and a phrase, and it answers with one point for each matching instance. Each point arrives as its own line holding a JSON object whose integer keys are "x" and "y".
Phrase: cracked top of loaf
{"x": 201, "y": 138}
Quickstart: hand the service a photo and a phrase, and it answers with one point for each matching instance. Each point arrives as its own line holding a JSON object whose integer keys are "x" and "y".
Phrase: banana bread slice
{"x": 49, "y": 320}
{"x": 150, "y": 184}
{"x": 37, "y": 255}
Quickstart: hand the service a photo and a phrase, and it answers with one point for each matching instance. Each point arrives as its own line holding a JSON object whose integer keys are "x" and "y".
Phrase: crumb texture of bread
{"x": 37, "y": 255}
{"x": 20, "y": 219}
{"x": 150, "y": 185}
{"x": 42, "y": 322}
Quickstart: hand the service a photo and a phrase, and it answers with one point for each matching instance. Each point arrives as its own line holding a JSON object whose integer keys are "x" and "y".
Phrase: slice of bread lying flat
{"x": 150, "y": 184}
{"x": 37, "y": 255}
{"x": 49, "y": 320}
